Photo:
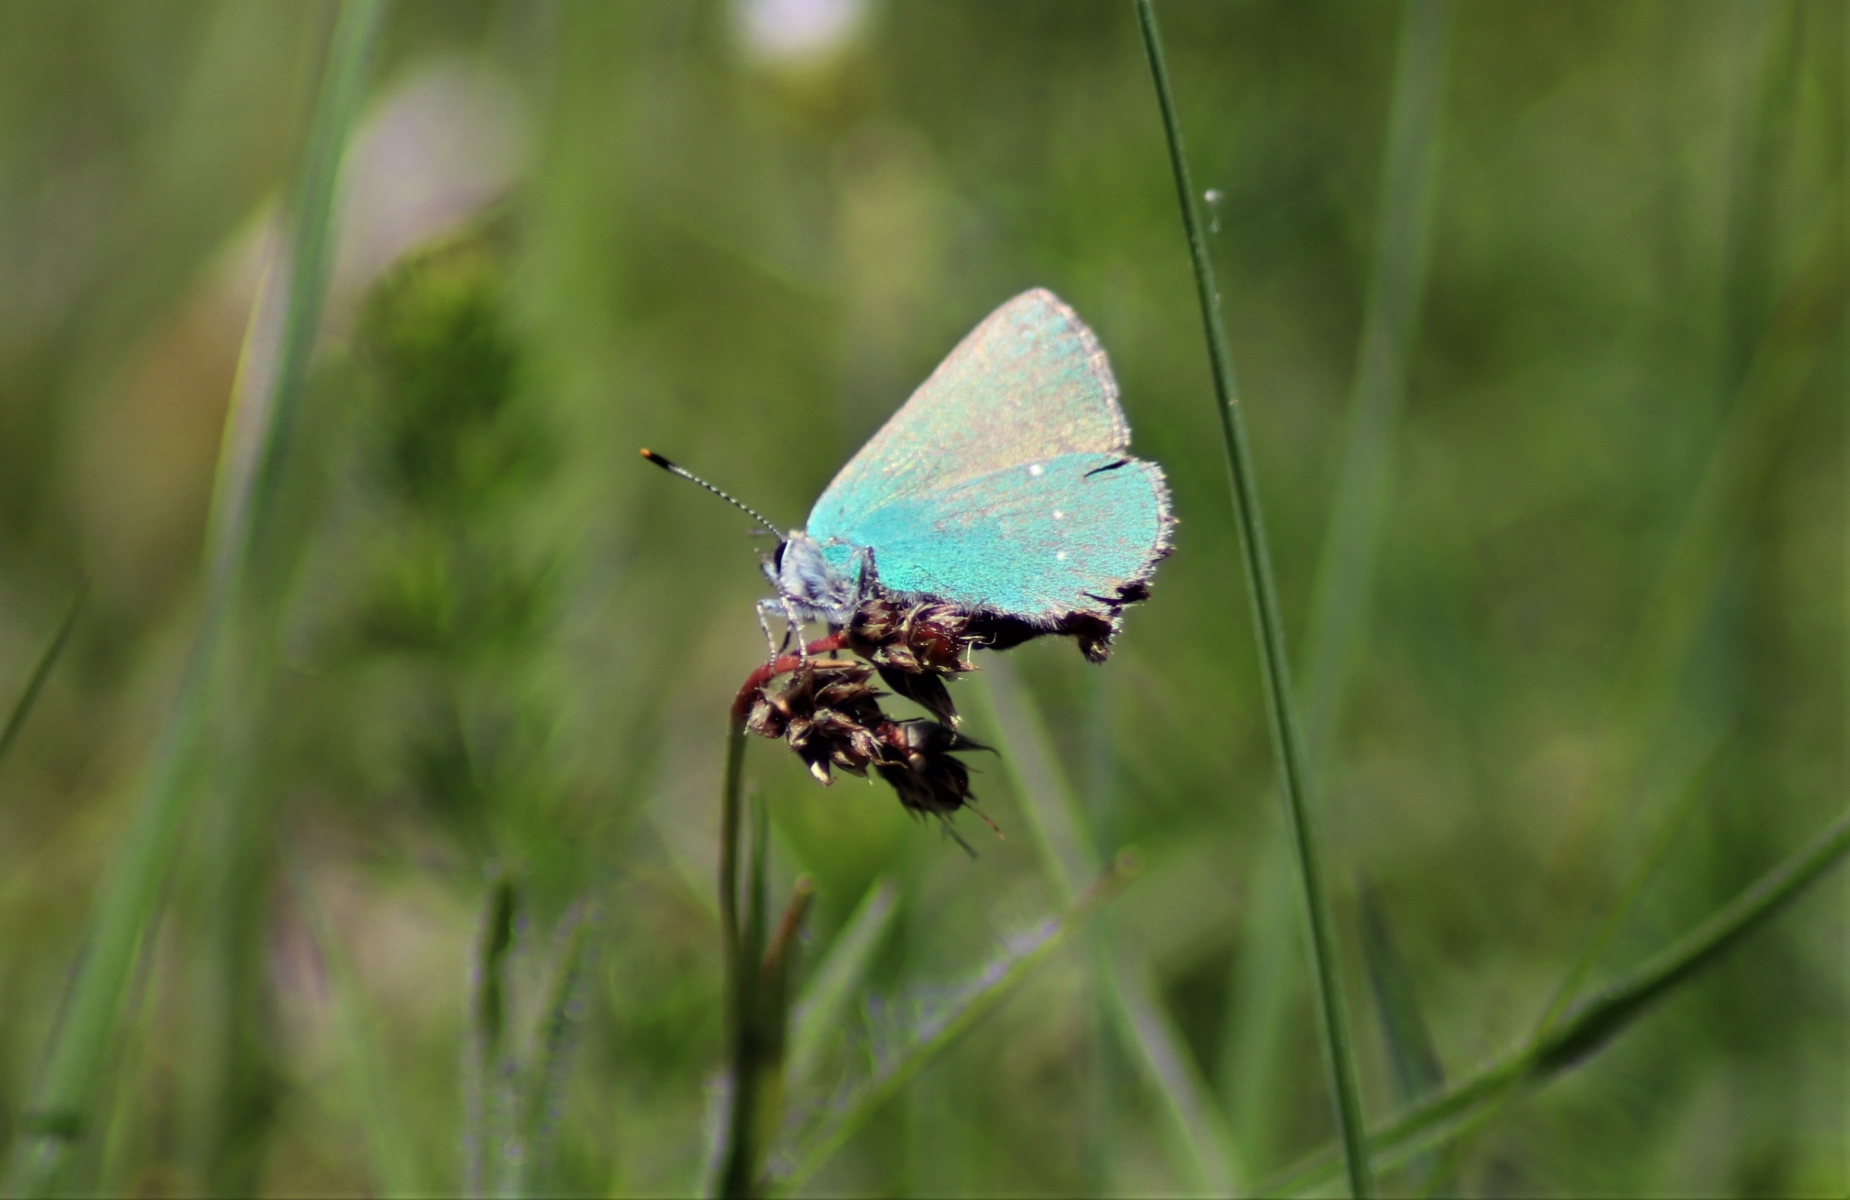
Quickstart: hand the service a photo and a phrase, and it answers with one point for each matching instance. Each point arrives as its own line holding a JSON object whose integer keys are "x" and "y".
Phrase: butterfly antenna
{"x": 683, "y": 472}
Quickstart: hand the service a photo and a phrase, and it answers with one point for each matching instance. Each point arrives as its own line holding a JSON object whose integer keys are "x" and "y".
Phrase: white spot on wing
{"x": 1058, "y": 515}
{"x": 1060, "y": 556}
{"x": 1034, "y": 469}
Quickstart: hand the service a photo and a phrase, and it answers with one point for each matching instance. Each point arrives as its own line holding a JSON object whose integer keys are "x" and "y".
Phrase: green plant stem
{"x": 739, "y": 1169}
{"x": 1607, "y": 1012}
{"x": 1271, "y": 637}
{"x": 130, "y": 897}
{"x": 731, "y": 818}
{"x": 41, "y": 671}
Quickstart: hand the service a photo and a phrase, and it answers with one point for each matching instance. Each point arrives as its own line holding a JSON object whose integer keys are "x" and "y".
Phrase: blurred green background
{"x": 1608, "y": 596}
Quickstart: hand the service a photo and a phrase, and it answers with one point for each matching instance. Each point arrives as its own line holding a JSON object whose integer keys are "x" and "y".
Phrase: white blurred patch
{"x": 798, "y": 32}
{"x": 441, "y": 145}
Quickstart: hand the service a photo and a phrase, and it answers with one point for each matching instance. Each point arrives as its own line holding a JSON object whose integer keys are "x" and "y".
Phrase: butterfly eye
{"x": 777, "y": 559}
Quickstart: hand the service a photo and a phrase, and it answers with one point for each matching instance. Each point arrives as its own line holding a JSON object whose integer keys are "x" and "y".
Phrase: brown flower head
{"x": 829, "y": 713}
{"x": 920, "y": 768}
{"x": 916, "y": 647}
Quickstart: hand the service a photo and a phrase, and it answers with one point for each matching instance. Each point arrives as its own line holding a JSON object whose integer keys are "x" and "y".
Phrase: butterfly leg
{"x": 867, "y": 579}
{"x": 765, "y": 608}
{"x": 793, "y": 628}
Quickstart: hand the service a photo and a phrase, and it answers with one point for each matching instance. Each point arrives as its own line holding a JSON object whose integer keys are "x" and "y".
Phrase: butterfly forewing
{"x": 1028, "y": 384}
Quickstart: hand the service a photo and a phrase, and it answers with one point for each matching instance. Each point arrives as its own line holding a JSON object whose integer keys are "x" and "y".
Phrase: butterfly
{"x": 1001, "y": 488}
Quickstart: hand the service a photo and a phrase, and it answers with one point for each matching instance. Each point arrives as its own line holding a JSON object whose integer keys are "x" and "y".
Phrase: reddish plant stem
{"x": 742, "y": 705}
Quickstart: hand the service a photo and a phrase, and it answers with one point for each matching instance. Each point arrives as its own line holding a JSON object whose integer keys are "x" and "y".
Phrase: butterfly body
{"x": 1002, "y": 487}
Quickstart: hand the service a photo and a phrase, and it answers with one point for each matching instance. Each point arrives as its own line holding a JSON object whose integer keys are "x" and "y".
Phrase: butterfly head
{"x": 813, "y": 586}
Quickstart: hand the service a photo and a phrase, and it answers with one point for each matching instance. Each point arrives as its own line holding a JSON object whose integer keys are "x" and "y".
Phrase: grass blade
{"x": 61, "y": 1106}
{"x": 1269, "y": 624}
{"x": 1054, "y": 817}
{"x": 1396, "y": 284}
{"x": 1415, "y": 1061}
{"x": 1263, "y": 992}
{"x": 824, "y": 1003}
{"x": 41, "y": 671}
{"x": 1606, "y": 1013}
{"x": 485, "y": 1118}
{"x": 1065, "y": 840}
{"x": 1132, "y": 997}
{"x": 1000, "y": 979}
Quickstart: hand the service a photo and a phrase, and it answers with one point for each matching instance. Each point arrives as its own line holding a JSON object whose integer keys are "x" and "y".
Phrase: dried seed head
{"x": 829, "y": 713}
{"x": 916, "y": 646}
{"x": 920, "y": 767}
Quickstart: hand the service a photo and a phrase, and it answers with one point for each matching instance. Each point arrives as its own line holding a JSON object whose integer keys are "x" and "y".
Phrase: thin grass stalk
{"x": 118, "y": 1140}
{"x": 61, "y": 1109}
{"x": 760, "y": 1022}
{"x": 1628, "y": 899}
{"x": 1602, "y": 1016}
{"x": 41, "y": 671}
{"x": 1413, "y": 1059}
{"x": 1002, "y": 978}
{"x": 1269, "y": 623}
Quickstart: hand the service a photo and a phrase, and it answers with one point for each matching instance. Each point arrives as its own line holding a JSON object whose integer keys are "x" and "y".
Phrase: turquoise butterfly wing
{"x": 1002, "y": 486}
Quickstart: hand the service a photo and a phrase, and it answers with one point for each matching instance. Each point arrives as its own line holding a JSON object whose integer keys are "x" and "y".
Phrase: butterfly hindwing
{"x": 1076, "y": 533}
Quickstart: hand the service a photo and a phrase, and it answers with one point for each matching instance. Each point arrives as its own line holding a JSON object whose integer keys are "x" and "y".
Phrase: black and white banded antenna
{"x": 683, "y": 472}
